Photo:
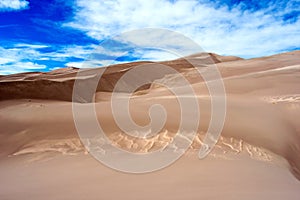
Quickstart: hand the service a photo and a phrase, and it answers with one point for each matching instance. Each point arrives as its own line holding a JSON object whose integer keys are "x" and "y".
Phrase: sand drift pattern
{"x": 89, "y": 128}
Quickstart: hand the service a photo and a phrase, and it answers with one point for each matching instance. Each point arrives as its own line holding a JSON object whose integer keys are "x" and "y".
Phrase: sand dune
{"x": 256, "y": 157}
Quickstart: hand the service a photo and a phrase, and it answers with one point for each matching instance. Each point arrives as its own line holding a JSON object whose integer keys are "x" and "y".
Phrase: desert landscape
{"x": 256, "y": 157}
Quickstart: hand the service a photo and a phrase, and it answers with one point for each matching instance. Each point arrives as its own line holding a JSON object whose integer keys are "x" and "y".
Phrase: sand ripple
{"x": 73, "y": 146}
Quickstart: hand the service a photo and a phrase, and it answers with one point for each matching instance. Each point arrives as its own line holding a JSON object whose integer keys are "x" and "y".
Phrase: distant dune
{"x": 256, "y": 157}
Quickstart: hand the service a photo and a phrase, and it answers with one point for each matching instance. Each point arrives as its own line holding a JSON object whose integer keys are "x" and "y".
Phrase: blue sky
{"x": 42, "y": 35}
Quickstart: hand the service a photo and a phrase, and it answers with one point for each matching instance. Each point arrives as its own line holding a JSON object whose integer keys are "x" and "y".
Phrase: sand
{"x": 256, "y": 157}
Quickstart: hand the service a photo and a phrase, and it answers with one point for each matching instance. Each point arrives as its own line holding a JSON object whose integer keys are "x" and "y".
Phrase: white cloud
{"x": 90, "y": 63}
{"x": 217, "y": 29}
{"x": 21, "y": 67}
{"x": 74, "y": 64}
{"x": 10, "y": 5}
{"x": 11, "y": 60}
{"x": 14, "y": 55}
{"x": 31, "y": 52}
{"x": 75, "y": 51}
{"x": 29, "y": 65}
{"x": 5, "y": 60}
{"x": 33, "y": 46}
{"x": 158, "y": 55}
{"x": 23, "y": 57}
{"x": 154, "y": 55}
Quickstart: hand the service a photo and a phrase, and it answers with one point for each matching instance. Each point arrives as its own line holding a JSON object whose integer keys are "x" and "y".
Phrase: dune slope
{"x": 256, "y": 157}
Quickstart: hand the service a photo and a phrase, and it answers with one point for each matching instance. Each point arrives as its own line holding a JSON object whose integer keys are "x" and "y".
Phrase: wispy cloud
{"x": 21, "y": 67}
{"x": 16, "y": 60}
{"x": 64, "y": 33}
{"x": 32, "y": 57}
{"x": 18, "y": 67}
{"x": 12, "y": 5}
{"x": 33, "y": 46}
{"x": 220, "y": 28}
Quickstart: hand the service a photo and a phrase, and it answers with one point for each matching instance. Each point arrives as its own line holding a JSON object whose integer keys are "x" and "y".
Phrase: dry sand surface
{"x": 256, "y": 157}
